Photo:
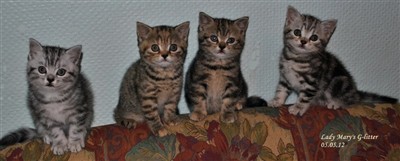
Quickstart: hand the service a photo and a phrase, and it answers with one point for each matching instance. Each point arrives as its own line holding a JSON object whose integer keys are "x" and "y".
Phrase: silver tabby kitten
{"x": 316, "y": 75}
{"x": 59, "y": 99}
{"x": 214, "y": 81}
{"x": 151, "y": 87}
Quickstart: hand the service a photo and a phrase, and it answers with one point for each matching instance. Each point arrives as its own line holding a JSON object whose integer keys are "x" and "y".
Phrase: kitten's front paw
{"x": 46, "y": 139}
{"x": 59, "y": 149}
{"x": 162, "y": 132}
{"x": 171, "y": 120}
{"x": 197, "y": 116}
{"x": 239, "y": 106}
{"x": 297, "y": 110}
{"x": 229, "y": 117}
{"x": 274, "y": 103}
{"x": 76, "y": 146}
{"x": 294, "y": 110}
{"x": 333, "y": 105}
{"x": 127, "y": 123}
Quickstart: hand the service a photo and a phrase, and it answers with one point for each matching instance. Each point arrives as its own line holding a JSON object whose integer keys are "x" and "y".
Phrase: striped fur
{"x": 316, "y": 75}
{"x": 59, "y": 99}
{"x": 214, "y": 81}
{"x": 151, "y": 87}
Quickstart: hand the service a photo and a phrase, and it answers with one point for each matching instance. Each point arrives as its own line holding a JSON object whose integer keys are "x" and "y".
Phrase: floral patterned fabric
{"x": 359, "y": 133}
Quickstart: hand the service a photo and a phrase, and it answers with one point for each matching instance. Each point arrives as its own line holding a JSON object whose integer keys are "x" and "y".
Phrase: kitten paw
{"x": 75, "y": 146}
{"x": 274, "y": 103}
{"x": 229, "y": 117}
{"x": 172, "y": 120}
{"x": 59, "y": 149}
{"x": 46, "y": 139}
{"x": 127, "y": 123}
{"x": 162, "y": 132}
{"x": 333, "y": 105}
{"x": 294, "y": 110}
{"x": 297, "y": 110}
{"x": 197, "y": 116}
{"x": 239, "y": 106}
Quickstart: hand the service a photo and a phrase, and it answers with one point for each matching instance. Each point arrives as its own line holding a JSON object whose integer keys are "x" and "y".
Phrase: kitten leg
{"x": 231, "y": 101}
{"x": 150, "y": 111}
{"x": 77, "y": 131}
{"x": 43, "y": 133}
{"x": 281, "y": 94}
{"x": 303, "y": 102}
{"x": 128, "y": 119}
{"x": 169, "y": 116}
{"x": 228, "y": 113}
{"x": 76, "y": 138}
{"x": 171, "y": 106}
{"x": 199, "y": 112}
{"x": 198, "y": 99}
{"x": 340, "y": 89}
{"x": 58, "y": 141}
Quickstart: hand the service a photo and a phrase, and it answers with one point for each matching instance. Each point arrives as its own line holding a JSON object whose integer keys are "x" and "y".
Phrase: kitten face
{"x": 52, "y": 68}
{"x": 306, "y": 34}
{"x": 222, "y": 38}
{"x": 163, "y": 45}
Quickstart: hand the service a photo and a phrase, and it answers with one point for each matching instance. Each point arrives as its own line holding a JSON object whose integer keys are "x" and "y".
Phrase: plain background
{"x": 366, "y": 40}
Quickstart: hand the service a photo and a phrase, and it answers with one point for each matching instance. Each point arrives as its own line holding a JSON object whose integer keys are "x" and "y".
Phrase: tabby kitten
{"x": 214, "y": 81}
{"x": 316, "y": 75}
{"x": 59, "y": 99}
{"x": 151, "y": 88}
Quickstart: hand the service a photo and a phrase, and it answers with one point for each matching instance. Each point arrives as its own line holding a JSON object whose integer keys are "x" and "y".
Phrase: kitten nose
{"x": 222, "y": 47}
{"x": 303, "y": 42}
{"x": 164, "y": 56}
{"x": 50, "y": 79}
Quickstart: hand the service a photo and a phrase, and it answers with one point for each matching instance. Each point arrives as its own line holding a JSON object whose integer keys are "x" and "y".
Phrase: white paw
{"x": 297, "y": 110}
{"x": 294, "y": 110}
{"x": 275, "y": 103}
{"x": 75, "y": 146}
{"x": 333, "y": 105}
{"x": 59, "y": 149}
{"x": 46, "y": 139}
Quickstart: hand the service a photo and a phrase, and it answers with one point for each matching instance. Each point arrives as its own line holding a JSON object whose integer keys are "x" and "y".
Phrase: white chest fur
{"x": 57, "y": 112}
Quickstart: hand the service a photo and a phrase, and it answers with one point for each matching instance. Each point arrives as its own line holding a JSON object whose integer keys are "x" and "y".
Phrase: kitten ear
{"x": 292, "y": 15}
{"x": 204, "y": 20}
{"x": 142, "y": 31}
{"x": 74, "y": 54}
{"x": 328, "y": 27}
{"x": 242, "y": 23}
{"x": 34, "y": 48}
{"x": 183, "y": 30}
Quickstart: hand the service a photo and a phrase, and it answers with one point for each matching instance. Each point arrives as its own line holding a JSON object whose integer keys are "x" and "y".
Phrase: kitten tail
{"x": 375, "y": 98}
{"x": 17, "y": 136}
{"x": 255, "y": 101}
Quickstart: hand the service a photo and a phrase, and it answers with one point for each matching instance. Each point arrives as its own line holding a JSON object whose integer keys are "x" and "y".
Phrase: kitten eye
{"x": 155, "y": 48}
{"x": 314, "y": 38}
{"x": 213, "y": 38}
{"x": 42, "y": 70}
{"x": 61, "y": 72}
{"x": 297, "y": 32}
{"x": 173, "y": 47}
{"x": 230, "y": 40}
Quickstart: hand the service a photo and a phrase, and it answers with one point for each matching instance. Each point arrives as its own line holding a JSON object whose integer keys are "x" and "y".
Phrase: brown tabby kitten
{"x": 309, "y": 70}
{"x": 214, "y": 81}
{"x": 151, "y": 88}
